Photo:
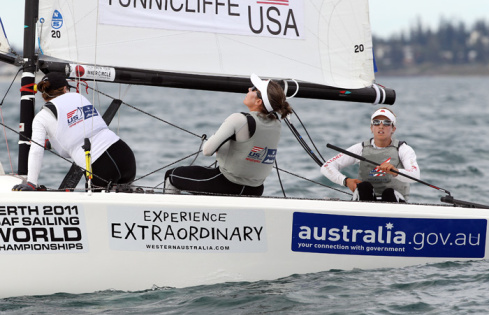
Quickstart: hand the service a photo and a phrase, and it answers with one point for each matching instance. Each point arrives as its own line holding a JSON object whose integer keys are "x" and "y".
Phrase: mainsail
{"x": 215, "y": 44}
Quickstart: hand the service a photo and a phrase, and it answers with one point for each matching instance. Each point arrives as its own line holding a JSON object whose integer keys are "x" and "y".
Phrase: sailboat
{"x": 81, "y": 241}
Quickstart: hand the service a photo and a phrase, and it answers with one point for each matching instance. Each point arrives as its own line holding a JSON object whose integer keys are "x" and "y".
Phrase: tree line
{"x": 453, "y": 44}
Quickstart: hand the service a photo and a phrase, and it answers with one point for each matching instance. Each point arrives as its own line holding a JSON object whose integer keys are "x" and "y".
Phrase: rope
{"x": 159, "y": 169}
{"x": 279, "y": 179}
{"x": 307, "y": 133}
{"x": 146, "y": 113}
{"x": 50, "y": 150}
{"x": 314, "y": 182}
{"x": 1, "y": 114}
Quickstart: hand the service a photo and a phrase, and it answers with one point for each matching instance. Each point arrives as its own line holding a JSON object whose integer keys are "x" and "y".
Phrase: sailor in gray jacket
{"x": 377, "y": 183}
{"x": 245, "y": 146}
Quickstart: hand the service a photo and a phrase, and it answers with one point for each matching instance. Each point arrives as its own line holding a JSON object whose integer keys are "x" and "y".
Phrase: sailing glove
{"x": 28, "y": 186}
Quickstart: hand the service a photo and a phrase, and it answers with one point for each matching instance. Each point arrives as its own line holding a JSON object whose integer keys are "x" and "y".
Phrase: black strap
{"x": 72, "y": 178}
{"x": 251, "y": 124}
{"x": 52, "y": 108}
{"x": 251, "y": 129}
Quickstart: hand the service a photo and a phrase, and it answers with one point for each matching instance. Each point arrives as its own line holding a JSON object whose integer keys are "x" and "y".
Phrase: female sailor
{"x": 377, "y": 182}
{"x": 245, "y": 146}
{"x": 66, "y": 120}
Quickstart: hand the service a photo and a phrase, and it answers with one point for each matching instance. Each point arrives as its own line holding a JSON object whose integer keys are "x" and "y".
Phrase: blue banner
{"x": 385, "y": 236}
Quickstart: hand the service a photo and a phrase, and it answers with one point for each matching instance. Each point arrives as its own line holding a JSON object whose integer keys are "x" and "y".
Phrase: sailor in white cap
{"x": 377, "y": 183}
{"x": 245, "y": 146}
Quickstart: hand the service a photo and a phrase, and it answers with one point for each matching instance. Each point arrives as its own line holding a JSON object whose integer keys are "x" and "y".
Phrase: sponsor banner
{"x": 213, "y": 231}
{"x": 384, "y": 236}
{"x": 42, "y": 229}
{"x": 86, "y": 72}
{"x": 274, "y": 18}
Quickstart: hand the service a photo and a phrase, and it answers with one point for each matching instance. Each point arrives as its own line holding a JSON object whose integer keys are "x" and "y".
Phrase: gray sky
{"x": 386, "y": 16}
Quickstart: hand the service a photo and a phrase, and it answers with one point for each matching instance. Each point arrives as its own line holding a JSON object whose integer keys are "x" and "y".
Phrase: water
{"x": 443, "y": 118}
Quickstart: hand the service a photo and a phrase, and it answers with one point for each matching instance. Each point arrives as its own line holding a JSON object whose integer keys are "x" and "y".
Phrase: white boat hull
{"x": 81, "y": 242}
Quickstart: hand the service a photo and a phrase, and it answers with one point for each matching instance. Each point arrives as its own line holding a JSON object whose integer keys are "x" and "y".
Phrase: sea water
{"x": 444, "y": 119}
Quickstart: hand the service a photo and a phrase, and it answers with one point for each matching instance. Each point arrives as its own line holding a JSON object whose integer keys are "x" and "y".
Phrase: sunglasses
{"x": 253, "y": 89}
{"x": 385, "y": 122}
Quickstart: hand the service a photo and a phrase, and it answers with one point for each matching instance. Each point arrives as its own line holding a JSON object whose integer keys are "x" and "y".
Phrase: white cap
{"x": 384, "y": 112}
{"x": 262, "y": 86}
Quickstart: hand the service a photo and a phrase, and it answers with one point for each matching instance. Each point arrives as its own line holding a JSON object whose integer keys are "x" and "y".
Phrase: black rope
{"x": 307, "y": 133}
{"x": 6, "y": 93}
{"x": 51, "y": 150}
{"x": 302, "y": 142}
{"x": 314, "y": 182}
{"x": 204, "y": 137}
{"x": 161, "y": 168}
{"x": 142, "y": 111}
{"x": 279, "y": 179}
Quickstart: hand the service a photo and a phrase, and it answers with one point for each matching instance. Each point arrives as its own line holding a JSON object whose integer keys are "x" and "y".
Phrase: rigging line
{"x": 204, "y": 137}
{"x": 314, "y": 182}
{"x": 310, "y": 139}
{"x": 50, "y": 150}
{"x": 279, "y": 179}
{"x": 159, "y": 169}
{"x": 302, "y": 142}
{"x": 6, "y": 142}
{"x": 10, "y": 86}
{"x": 1, "y": 113}
{"x": 151, "y": 115}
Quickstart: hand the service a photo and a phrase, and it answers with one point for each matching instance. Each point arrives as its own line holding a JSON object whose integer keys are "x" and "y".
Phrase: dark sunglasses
{"x": 253, "y": 89}
{"x": 385, "y": 122}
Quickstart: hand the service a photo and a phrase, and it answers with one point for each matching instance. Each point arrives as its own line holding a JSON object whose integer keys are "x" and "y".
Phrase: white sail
{"x": 319, "y": 41}
{"x": 4, "y": 44}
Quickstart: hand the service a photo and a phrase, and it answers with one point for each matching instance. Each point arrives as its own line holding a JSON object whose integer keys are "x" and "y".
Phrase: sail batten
{"x": 324, "y": 42}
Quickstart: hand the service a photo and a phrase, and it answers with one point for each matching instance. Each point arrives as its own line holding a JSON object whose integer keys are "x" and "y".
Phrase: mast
{"x": 27, "y": 98}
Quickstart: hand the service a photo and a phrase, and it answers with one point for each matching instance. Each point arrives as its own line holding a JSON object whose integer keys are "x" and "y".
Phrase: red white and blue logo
{"x": 376, "y": 172}
{"x": 80, "y": 114}
{"x": 262, "y": 155}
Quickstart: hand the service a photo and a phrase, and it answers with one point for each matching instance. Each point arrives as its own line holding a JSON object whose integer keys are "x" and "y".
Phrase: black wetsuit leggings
{"x": 117, "y": 165}
{"x": 199, "y": 179}
{"x": 366, "y": 192}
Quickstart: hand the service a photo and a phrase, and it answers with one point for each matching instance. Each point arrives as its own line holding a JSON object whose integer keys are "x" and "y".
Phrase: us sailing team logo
{"x": 80, "y": 114}
{"x": 376, "y": 172}
{"x": 262, "y": 155}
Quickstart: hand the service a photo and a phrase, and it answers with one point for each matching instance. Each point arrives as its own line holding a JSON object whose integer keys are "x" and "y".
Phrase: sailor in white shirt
{"x": 66, "y": 120}
{"x": 377, "y": 183}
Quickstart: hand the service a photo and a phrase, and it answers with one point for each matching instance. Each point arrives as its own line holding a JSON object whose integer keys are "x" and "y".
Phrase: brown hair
{"x": 277, "y": 99}
{"x": 48, "y": 93}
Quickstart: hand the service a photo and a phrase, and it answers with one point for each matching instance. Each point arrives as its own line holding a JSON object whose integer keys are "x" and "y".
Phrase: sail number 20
{"x": 55, "y": 34}
{"x": 359, "y": 48}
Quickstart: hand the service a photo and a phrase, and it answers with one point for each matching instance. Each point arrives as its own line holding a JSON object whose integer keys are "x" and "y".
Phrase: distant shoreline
{"x": 438, "y": 70}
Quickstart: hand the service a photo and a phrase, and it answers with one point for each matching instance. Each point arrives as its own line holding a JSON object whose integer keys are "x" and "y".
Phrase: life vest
{"x": 249, "y": 163}
{"x": 78, "y": 119}
{"x": 380, "y": 180}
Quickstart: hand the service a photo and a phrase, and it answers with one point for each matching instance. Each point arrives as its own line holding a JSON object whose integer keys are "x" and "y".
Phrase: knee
{"x": 391, "y": 195}
{"x": 366, "y": 191}
{"x": 168, "y": 173}
{"x": 365, "y": 186}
